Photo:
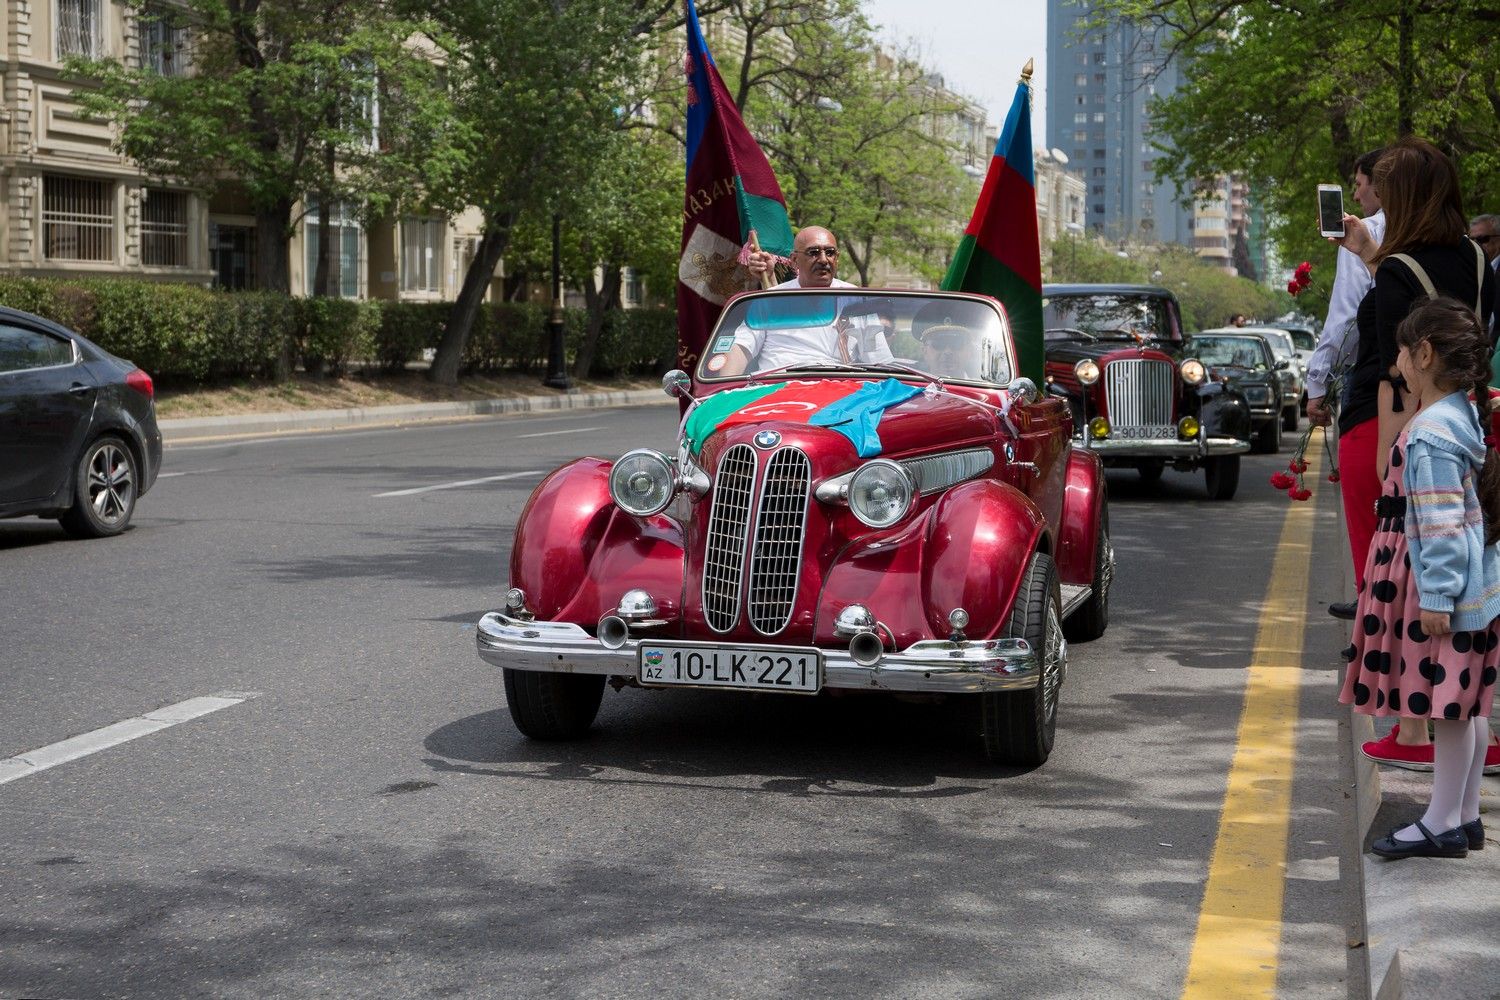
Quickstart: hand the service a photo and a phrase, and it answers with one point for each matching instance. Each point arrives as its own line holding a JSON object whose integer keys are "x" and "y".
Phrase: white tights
{"x": 1458, "y": 750}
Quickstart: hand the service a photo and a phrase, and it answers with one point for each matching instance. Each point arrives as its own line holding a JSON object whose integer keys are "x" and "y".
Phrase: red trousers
{"x": 1360, "y": 487}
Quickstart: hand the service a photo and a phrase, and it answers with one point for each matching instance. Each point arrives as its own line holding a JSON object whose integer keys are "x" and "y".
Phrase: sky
{"x": 979, "y": 46}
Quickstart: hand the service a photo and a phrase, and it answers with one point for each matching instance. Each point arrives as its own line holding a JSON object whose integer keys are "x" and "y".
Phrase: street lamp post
{"x": 557, "y": 366}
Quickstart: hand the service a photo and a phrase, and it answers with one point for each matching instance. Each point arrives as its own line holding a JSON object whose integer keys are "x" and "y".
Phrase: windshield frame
{"x": 836, "y": 369}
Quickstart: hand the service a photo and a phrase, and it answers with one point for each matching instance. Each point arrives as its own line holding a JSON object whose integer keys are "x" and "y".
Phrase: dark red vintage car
{"x": 864, "y": 496}
{"x": 1115, "y": 353}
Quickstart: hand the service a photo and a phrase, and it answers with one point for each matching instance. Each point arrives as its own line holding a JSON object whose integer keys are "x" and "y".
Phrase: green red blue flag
{"x": 1000, "y": 254}
{"x": 731, "y": 190}
{"x": 852, "y": 409}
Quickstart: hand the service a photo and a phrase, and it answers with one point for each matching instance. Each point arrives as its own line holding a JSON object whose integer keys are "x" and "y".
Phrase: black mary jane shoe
{"x": 1448, "y": 844}
{"x": 1343, "y": 610}
{"x": 1474, "y": 830}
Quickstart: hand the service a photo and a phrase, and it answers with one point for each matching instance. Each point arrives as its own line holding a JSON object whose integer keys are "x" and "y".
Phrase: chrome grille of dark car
{"x": 1138, "y": 393}
{"x": 728, "y": 521}
{"x": 777, "y": 550}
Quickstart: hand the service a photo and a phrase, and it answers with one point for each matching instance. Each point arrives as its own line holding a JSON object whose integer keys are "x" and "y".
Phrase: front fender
{"x": 576, "y": 552}
{"x": 1223, "y": 412}
{"x": 1084, "y": 502}
{"x": 968, "y": 550}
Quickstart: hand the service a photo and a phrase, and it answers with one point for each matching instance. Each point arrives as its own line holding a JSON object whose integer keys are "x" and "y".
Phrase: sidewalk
{"x": 187, "y": 429}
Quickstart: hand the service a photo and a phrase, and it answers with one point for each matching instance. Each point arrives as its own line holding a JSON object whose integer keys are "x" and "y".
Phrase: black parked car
{"x": 78, "y": 434}
{"x": 1245, "y": 362}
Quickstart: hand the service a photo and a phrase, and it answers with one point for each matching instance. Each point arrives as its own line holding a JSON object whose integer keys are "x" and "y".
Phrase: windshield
{"x": 1304, "y": 339}
{"x": 1243, "y": 352}
{"x": 1109, "y": 316}
{"x": 952, "y": 338}
{"x": 1281, "y": 343}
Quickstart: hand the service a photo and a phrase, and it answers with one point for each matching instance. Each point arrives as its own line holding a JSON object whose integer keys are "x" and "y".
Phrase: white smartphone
{"x": 1330, "y": 210}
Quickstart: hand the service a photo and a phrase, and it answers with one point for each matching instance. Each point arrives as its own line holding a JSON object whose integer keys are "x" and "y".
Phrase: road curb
{"x": 300, "y": 421}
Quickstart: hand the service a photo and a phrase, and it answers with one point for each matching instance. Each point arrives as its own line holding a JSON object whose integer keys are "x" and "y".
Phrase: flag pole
{"x": 766, "y": 281}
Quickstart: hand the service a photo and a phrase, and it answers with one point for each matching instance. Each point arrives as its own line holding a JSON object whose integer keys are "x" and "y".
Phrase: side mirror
{"x": 676, "y": 383}
{"x": 1283, "y": 365}
{"x": 1022, "y": 390}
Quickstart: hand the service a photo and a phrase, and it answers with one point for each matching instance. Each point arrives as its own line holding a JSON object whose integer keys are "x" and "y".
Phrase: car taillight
{"x": 140, "y": 382}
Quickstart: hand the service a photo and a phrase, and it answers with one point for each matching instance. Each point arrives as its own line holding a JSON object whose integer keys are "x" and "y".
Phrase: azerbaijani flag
{"x": 1000, "y": 254}
{"x": 730, "y": 191}
{"x": 852, "y": 410}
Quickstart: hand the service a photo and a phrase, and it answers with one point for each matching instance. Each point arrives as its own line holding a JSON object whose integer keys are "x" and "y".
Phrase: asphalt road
{"x": 370, "y": 823}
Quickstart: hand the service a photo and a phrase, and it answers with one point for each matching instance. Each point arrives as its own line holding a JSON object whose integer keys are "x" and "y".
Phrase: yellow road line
{"x": 1239, "y": 926}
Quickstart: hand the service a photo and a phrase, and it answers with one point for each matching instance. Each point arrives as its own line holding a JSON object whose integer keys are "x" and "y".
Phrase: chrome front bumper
{"x": 931, "y": 665}
{"x": 1166, "y": 447}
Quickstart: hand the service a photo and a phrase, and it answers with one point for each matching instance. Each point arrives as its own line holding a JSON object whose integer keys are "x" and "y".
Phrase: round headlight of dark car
{"x": 1193, "y": 372}
{"x": 642, "y": 482}
{"x": 881, "y": 493}
{"x": 1087, "y": 371}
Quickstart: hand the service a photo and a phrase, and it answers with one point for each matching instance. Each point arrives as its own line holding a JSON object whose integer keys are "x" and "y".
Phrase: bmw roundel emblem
{"x": 767, "y": 439}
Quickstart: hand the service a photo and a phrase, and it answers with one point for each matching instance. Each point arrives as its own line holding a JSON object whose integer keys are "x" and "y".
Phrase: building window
{"x": 348, "y": 245}
{"x": 1098, "y": 172}
{"x": 78, "y": 218}
{"x": 80, "y": 28}
{"x": 421, "y": 255}
{"x": 1098, "y": 208}
{"x": 164, "y": 42}
{"x": 1098, "y": 154}
{"x": 1081, "y": 80}
{"x": 1098, "y": 98}
{"x": 1098, "y": 58}
{"x": 231, "y": 251}
{"x": 1079, "y": 154}
{"x": 633, "y": 289}
{"x": 1098, "y": 117}
{"x": 1080, "y": 118}
{"x": 1081, "y": 99}
{"x": 1101, "y": 78}
{"x": 1083, "y": 58}
{"x": 1081, "y": 136}
{"x": 164, "y": 228}
{"x": 1098, "y": 188}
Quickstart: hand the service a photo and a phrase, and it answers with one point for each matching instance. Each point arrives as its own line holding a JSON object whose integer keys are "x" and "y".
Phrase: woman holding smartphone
{"x": 1424, "y": 224}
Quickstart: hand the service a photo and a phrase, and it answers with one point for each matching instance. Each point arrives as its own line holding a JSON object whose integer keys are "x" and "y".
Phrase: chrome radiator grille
{"x": 1139, "y": 393}
{"x": 728, "y": 521}
{"x": 777, "y": 549}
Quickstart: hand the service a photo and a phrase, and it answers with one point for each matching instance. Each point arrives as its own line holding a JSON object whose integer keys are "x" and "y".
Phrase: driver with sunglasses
{"x": 815, "y": 254}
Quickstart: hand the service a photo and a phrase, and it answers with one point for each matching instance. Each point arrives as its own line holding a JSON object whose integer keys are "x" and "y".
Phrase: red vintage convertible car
{"x": 864, "y": 496}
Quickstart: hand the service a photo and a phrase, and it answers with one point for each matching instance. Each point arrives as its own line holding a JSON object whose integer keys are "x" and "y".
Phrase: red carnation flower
{"x": 1299, "y": 494}
{"x": 1282, "y": 481}
{"x": 1333, "y": 476}
{"x": 1304, "y": 271}
{"x": 1298, "y": 466}
{"x": 1293, "y": 287}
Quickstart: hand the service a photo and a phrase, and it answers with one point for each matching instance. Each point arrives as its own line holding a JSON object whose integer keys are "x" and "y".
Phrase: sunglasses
{"x": 815, "y": 252}
{"x": 1485, "y": 239}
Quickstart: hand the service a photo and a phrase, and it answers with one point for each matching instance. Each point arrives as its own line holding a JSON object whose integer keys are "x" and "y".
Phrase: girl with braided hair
{"x": 1426, "y": 637}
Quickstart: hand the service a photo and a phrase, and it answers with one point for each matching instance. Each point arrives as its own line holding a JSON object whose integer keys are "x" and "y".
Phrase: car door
{"x": 46, "y": 406}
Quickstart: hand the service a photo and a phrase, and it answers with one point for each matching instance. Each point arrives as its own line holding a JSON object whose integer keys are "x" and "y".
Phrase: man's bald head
{"x": 815, "y": 254}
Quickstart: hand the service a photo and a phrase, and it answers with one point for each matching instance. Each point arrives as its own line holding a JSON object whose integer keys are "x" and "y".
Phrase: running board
{"x": 1074, "y": 596}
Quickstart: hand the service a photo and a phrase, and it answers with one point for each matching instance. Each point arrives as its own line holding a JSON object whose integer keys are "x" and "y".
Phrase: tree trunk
{"x": 450, "y": 350}
{"x": 273, "y": 225}
{"x": 600, "y": 303}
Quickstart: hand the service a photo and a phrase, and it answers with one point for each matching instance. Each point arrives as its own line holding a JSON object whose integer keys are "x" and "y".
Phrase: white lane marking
{"x": 570, "y": 430}
{"x": 193, "y": 472}
{"x": 21, "y": 765}
{"x": 453, "y": 486}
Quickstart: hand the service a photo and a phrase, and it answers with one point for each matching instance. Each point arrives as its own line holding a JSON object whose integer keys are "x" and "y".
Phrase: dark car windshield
{"x": 1242, "y": 352}
{"x": 1113, "y": 316}
{"x": 951, "y": 337}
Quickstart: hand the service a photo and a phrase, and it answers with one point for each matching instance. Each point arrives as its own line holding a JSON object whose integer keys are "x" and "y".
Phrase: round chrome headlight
{"x": 1193, "y": 372}
{"x": 1087, "y": 371}
{"x": 881, "y": 493}
{"x": 642, "y": 482}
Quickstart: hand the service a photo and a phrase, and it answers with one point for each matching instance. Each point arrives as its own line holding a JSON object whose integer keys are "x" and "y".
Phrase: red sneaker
{"x": 1414, "y": 758}
{"x": 1492, "y": 759}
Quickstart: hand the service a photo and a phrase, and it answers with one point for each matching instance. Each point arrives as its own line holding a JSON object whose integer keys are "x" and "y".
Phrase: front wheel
{"x": 1018, "y": 727}
{"x": 1222, "y": 476}
{"x": 1151, "y": 470}
{"x": 104, "y": 490}
{"x": 548, "y": 706}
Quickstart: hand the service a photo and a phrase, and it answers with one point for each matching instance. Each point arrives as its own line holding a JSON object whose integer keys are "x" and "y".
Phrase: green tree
{"x": 1290, "y": 95}
{"x": 282, "y": 101}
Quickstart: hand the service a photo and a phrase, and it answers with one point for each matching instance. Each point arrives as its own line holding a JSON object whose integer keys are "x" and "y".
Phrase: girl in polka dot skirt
{"x": 1426, "y": 639}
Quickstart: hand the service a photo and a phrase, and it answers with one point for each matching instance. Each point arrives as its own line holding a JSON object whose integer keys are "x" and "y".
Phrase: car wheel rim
{"x": 1054, "y": 660}
{"x": 111, "y": 484}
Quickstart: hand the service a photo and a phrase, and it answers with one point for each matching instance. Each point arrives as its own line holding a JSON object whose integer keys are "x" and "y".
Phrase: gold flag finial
{"x": 1026, "y": 72}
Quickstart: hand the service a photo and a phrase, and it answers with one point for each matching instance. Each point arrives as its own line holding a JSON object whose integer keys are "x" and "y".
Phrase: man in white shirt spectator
{"x": 815, "y": 255}
{"x": 1485, "y": 230}
{"x": 1339, "y": 340}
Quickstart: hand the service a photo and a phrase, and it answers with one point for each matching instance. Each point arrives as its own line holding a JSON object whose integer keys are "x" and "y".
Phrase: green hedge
{"x": 184, "y": 334}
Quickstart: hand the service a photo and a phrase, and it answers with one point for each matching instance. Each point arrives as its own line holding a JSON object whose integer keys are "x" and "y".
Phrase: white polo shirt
{"x": 864, "y": 341}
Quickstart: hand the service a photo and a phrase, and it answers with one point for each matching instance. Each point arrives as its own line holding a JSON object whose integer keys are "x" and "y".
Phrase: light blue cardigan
{"x": 1452, "y": 568}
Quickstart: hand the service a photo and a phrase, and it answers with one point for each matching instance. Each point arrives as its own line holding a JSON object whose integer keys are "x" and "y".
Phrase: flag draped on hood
{"x": 730, "y": 191}
{"x": 852, "y": 409}
{"x": 1000, "y": 254}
